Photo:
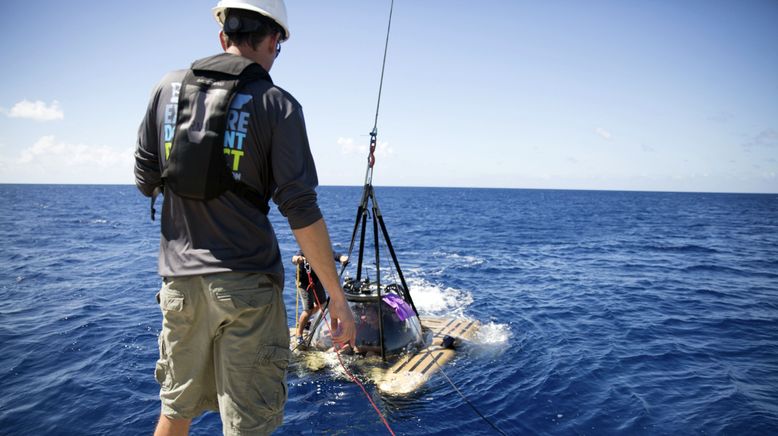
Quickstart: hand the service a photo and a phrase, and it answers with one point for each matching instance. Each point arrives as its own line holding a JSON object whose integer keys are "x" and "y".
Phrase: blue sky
{"x": 635, "y": 95}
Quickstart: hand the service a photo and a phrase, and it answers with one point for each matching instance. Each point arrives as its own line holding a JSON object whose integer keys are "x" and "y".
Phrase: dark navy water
{"x": 603, "y": 312}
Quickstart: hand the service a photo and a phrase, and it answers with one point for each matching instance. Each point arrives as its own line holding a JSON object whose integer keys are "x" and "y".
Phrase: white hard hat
{"x": 273, "y": 9}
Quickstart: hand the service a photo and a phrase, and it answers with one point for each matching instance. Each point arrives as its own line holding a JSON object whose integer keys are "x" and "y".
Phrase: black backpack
{"x": 196, "y": 167}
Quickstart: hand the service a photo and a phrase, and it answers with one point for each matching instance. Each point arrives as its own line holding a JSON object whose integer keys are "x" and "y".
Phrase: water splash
{"x": 436, "y": 300}
{"x": 493, "y": 334}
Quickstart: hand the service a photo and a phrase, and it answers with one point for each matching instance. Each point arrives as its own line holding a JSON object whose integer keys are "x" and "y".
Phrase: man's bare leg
{"x": 172, "y": 427}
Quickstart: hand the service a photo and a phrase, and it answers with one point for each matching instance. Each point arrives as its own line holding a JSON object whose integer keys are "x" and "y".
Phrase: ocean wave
{"x": 682, "y": 248}
{"x": 729, "y": 270}
{"x": 456, "y": 260}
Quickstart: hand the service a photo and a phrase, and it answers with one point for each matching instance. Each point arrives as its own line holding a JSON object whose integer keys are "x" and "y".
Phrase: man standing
{"x": 311, "y": 290}
{"x": 224, "y": 343}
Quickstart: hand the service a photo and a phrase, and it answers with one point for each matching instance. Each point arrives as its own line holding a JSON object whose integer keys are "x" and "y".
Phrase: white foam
{"x": 456, "y": 260}
{"x": 437, "y": 300}
{"x": 465, "y": 260}
{"x": 490, "y": 341}
{"x": 403, "y": 383}
{"x": 493, "y": 334}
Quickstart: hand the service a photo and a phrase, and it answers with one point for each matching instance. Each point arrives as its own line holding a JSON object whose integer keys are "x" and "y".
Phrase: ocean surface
{"x": 603, "y": 313}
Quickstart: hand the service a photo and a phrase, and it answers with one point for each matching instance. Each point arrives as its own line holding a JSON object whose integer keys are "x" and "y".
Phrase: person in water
{"x": 311, "y": 289}
{"x": 224, "y": 342}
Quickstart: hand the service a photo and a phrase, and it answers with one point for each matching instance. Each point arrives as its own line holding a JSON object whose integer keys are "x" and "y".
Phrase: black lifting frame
{"x": 360, "y": 223}
{"x": 368, "y": 194}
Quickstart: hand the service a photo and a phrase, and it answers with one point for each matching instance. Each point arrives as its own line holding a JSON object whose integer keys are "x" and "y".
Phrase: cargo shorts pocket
{"x": 163, "y": 376}
{"x": 162, "y": 369}
{"x": 243, "y": 291}
{"x": 170, "y": 300}
{"x": 268, "y": 383}
{"x": 253, "y": 299}
{"x": 175, "y": 321}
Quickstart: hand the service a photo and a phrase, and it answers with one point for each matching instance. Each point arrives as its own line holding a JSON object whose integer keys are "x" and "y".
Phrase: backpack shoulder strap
{"x": 246, "y": 71}
{"x": 221, "y": 74}
{"x": 228, "y": 64}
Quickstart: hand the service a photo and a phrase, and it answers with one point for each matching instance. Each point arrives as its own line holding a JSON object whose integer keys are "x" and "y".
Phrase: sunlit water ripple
{"x": 602, "y": 312}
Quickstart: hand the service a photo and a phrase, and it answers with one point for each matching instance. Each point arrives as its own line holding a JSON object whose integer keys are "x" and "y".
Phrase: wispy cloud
{"x": 55, "y": 161}
{"x": 35, "y": 110}
{"x": 49, "y": 150}
{"x": 765, "y": 138}
{"x": 721, "y": 117}
{"x": 347, "y": 146}
{"x": 602, "y": 133}
{"x": 647, "y": 148}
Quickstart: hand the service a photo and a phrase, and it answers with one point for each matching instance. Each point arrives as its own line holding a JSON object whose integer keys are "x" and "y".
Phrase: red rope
{"x": 337, "y": 351}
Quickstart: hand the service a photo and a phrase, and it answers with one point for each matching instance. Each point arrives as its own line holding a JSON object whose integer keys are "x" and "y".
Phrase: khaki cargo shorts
{"x": 224, "y": 346}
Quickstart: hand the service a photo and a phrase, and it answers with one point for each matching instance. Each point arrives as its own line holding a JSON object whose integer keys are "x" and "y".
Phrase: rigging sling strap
{"x": 196, "y": 167}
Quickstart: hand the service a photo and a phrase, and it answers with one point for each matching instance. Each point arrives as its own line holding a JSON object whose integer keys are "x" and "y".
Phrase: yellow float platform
{"x": 407, "y": 373}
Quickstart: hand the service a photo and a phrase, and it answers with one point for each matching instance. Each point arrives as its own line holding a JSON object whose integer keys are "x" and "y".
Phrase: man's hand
{"x": 344, "y": 331}
{"x": 314, "y": 241}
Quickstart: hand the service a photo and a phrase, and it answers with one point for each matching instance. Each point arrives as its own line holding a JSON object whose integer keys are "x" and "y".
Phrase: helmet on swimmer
{"x": 273, "y": 9}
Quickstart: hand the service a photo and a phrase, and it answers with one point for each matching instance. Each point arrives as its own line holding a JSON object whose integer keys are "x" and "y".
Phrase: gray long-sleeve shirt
{"x": 266, "y": 145}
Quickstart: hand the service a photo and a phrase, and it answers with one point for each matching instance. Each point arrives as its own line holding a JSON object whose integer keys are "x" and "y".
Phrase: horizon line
{"x": 447, "y": 187}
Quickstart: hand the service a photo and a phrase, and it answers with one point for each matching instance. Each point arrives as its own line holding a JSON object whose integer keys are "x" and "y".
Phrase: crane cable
{"x": 383, "y": 67}
{"x": 374, "y": 132}
{"x": 369, "y": 181}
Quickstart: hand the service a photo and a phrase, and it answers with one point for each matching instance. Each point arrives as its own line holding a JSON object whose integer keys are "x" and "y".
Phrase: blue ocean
{"x": 602, "y": 313}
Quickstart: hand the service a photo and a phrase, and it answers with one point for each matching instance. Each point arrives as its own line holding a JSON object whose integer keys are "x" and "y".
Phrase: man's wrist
{"x": 338, "y": 296}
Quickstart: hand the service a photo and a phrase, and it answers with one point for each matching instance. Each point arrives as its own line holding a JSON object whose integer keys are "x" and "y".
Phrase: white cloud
{"x": 765, "y": 138}
{"x": 721, "y": 117}
{"x": 51, "y": 161}
{"x": 347, "y": 146}
{"x": 36, "y": 110}
{"x": 48, "y": 149}
{"x": 603, "y": 133}
{"x": 383, "y": 149}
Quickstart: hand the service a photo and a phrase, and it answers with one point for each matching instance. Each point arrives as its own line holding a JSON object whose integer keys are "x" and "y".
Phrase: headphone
{"x": 239, "y": 23}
